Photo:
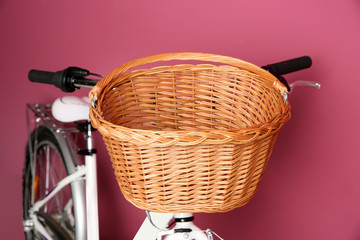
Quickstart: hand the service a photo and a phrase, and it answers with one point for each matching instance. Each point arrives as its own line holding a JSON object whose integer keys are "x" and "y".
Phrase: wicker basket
{"x": 189, "y": 138}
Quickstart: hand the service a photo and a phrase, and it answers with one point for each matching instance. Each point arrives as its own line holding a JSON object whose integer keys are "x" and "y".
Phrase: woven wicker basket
{"x": 189, "y": 138}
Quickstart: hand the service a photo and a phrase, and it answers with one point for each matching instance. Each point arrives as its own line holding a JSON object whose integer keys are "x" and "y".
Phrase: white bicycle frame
{"x": 85, "y": 172}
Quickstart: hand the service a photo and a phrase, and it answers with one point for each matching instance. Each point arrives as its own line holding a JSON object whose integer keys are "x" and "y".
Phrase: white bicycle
{"x": 60, "y": 183}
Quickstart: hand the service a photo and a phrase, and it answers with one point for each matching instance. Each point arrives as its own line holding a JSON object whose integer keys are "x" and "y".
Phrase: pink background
{"x": 311, "y": 187}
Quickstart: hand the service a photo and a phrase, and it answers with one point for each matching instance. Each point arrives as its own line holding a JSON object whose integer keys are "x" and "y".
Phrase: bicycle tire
{"x": 49, "y": 157}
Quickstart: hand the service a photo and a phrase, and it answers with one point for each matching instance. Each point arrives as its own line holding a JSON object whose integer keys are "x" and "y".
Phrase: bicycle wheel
{"x": 41, "y": 174}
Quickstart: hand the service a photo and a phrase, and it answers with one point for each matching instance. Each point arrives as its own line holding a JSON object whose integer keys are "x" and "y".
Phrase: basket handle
{"x": 95, "y": 92}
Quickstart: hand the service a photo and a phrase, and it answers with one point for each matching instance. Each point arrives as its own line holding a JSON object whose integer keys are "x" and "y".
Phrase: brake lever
{"x": 304, "y": 84}
{"x": 291, "y": 86}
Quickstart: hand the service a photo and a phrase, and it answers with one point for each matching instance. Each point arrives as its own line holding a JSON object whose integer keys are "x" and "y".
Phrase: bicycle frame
{"x": 82, "y": 172}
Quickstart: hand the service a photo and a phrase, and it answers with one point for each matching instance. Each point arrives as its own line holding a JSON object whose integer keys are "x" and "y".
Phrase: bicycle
{"x": 60, "y": 167}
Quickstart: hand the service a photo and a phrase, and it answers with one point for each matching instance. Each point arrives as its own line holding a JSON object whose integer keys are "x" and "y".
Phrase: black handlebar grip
{"x": 289, "y": 66}
{"x": 41, "y": 76}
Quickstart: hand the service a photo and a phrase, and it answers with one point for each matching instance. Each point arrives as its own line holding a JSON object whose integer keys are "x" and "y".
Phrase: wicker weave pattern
{"x": 189, "y": 138}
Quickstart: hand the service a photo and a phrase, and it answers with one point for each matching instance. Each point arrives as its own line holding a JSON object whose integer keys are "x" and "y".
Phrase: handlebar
{"x": 288, "y": 66}
{"x": 72, "y": 78}
{"x": 68, "y": 80}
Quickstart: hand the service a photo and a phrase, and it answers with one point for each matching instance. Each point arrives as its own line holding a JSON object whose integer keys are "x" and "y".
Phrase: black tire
{"x": 50, "y": 167}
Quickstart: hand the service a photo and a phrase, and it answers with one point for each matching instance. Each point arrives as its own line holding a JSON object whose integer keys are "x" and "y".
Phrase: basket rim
{"x": 186, "y": 56}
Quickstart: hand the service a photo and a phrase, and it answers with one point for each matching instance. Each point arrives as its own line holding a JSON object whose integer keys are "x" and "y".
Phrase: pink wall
{"x": 311, "y": 188}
